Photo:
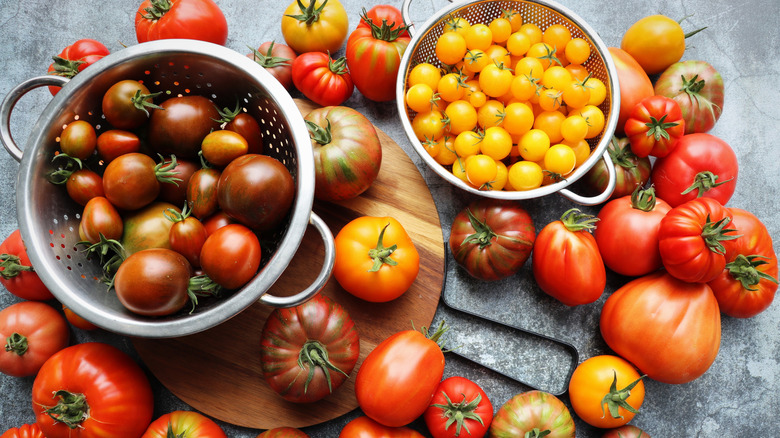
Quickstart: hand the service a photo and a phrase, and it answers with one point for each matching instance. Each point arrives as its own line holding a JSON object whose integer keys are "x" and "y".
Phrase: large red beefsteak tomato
{"x": 192, "y": 19}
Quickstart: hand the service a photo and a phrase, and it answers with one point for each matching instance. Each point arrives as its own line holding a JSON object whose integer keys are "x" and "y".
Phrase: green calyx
{"x": 110, "y": 253}
{"x": 201, "y": 286}
{"x": 169, "y": 433}
{"x": 60, "y": 175}
{"x": 436, "y": 335}
{"x": 226, "y": 115}
{"x": 616, "y": 398}
{"x": 622, "y": 156}
{"x": 575, "y": 220}
{"x": 143, "y": 102}
{"x": 337, "y": 66}
{"x": 310, "y": 13}
{"x": 157, "y": 9}
{"x": 643, "y": 199}
{"x": 704, "y": 181}
{"x": 165, "y": 171}
{"x": 714, "y": 233}
{"x": 71, "y": 409}
{"x": 745, "y": 270}
{"x": 383, "y": 32}
{"x": 12, "y": 266}
{"x": 65, "y": 67}
{"x": 16, "y": 343}
{"x": 267, "y": 59}
{"x": 483, "y": 234}
{"x": 537, "y": 433}
{"x": 458, "y": 413}
{"x": 381, "y": 254}
{"x": 656, "y": 128}
{"x": 314, "y": 355}
{"x": 319, "y": 134}
{"x": 175, "y": 216}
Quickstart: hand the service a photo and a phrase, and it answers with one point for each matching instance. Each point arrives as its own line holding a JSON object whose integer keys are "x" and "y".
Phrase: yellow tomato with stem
{"x": 656, "y": 42}
{"x": 432, "y": 147}
{"x": 576, "y": 94}
{"x": 545, "y": 53}
{"x": 499, "y": 55}
{"x": 529, "y": 66}
{"x": 480, "y": 170}
{"x": 461, "y": 116}
{"x": 315, "y": 25}
{"x": 577, "y": 51}
{"x": 500, "y": 28}
{"x": 523, "y": 88}
{"x": 456, "y": 24}
{"x": 467, "y": 143}
{"x": 550, "y": 99}
{"x": 459, "y": 169}
{"x": 451, "y": 87}
{"x": 514, "y": 17}
{"x": 428, "y": 125}
{"x": 595, "y": 118}
{"x": 598, "y": 91}
{"x": 495, "y": 80}
{"x": 490, "y": 114}
{"x": 556, "y": 77}
{"x": 475, "y": 60}
{"x": 578, "y": 71}
{"x": 557, "y": 35}
{"x": 574, "y": 128}
{"x": 525, "y": 175}
{"x": 419, "y": 97}
{"x": 446, "y": 155}
{"x": 518, "y": 44}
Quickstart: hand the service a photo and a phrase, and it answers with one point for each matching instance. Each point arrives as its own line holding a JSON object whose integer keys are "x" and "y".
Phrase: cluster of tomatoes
{"x": 514, "y": 106}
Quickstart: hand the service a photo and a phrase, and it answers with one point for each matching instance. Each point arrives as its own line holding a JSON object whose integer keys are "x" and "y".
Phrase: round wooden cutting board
{"x": 218, "y": 371}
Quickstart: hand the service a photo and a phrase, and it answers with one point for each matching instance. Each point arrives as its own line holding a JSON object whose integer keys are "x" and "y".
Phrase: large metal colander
{"x": 543, "y": 13}
{"x": 49, "y": 220}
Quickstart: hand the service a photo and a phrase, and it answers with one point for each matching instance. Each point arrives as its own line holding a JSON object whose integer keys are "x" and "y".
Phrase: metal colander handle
{"x": 7, "y": 106}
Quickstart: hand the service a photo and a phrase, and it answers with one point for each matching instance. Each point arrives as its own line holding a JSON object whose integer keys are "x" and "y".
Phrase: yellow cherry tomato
{"x": 518, "y": 118}
{"x": 545, "y": 53}
{"x": 525, "y": 175}
{"x": 550, "y": 99}
{"x": 495, "y": 80}
{"x": 576, "y": 94}
{"x": 480, "y": 170}
{"x": 467, "y": 143}
{"x": 479, "y": 36}
{"x": 518, "y": 44}
{"x": 581, "y": 150}
{"x": 496, "y": 143}
{"x": 533, "y": 145}
{"x": 461, "y": 116}
{"x": 425, "y": 73}
{"x": 574, "y": 128}
{"x": 500, "y": 28}
{"x": 550, "y": 122}
{"x": 490, "y": 114}
{"x": 557, "y": 35}
{"x": 560, "y": 159}
{"x": 446, "y": 155}
{"x": 456, "y": 24}
{"x": 556, "y": 77}
{"x": 428, "y": 125}
{"x": 598, "y": 91}
{"x": 433, "y": 147}
{"x": 459, "y": 170}
{"x": 451, "y": 87}
{"x": 577, "y": 51}
{"x": 595, "y": 118}
{"x": 515, "y": 18}
{"x": 419, "y": 97}
{"x": 450, "y": 47}
{"x": 532, "y": 31}
{"x": 475, "y": 60}
{"x": 499, "y": 182}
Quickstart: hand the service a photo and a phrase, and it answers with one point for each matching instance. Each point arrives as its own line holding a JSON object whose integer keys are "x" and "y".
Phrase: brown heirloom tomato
{"x": 698, "y": 88}
{"x": 256, "y": 190}
{"x": 180, "y": 125}
{"x": 533, "y": 411}
{"x": 83, "y": 185}
{"x": 78, "y": 139}
{"x": 230, "y": 256}
{"x": 202, "y": 192}
{"x": 100, "y": 217}
{"x": 127, "y": 104}
{"x": 132, "y": 181}
{"x": 492, "y": 239}
{"x": 153, "y": 282}
{"x": 309, "y": 350}
{"x": 31, "y": 332}
{"x": 277, "y": 59}
{"x": 187, "y": 235}
{"x": 347, "y": 152}
{"x": 246, "y": 126}
{"x": 221, "y": 147}
{"x": 630, "y": 170}
{"x": 668, "y": 328}
{"x": 626, "y": 431}
{"x": 176, "y": 193}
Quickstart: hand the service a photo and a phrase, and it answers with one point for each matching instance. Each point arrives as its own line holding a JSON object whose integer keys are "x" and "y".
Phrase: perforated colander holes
{"x": 70, "y": 255}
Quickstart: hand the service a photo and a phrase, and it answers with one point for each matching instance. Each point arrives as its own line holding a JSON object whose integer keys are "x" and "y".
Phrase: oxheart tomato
{"x": 184, "y": 424}
{"x": 31, "y": 332}
{"x": 630, "y": 171}
{"x": 374, "y": 52}
{"x": 627, "y": 232}
{"x": 654, "y": 126}
{"x": 75, "y": 58}
{"x": 246, "y": 126}
{"x": 257, "y": 191}
{"x": 24, "y": 431}
{"x": 492, "y": 239}
{"x": 692, "y": 240}
{"x": 398, "y": 379}
{"x": 460, "y": 408}
{"x": 668, "y": 328}
{"x": 376, "y": 259}
{"x": 626, "y": 431}
{"x": 634, "y": 84}
{"x": 308, "y": 351}
{"x": 147, "y": 228}
{"x": 230, "y": 256}
{"x": 100, "y": 218}
{"x": 17, "y": 273}
{"x": 153, "y": 282}
{"x": 698, "y": 88}
{"x": 127, "y": 104}
{"x": 365, "y": 427}
{"x": 347, "y": 152}
{"x": 191, "y": 19}
{"x": 566, "y": 261}
{"x": 533, "y": 414}
{"x": 277, "y": 59}
{"x": 92, "y": 389}
{"x": 315, "y": 25}
{"x": 747, "y": 286}
{"x": 283, "y": 432}
{"x": 181, "y": 123}
{"x": 322, "y": 79}
{"x": 132, "y": 181}
{"x": 606, "y": 391}
{"x": 701, "y": 165}
{"x": 116, "y": 142}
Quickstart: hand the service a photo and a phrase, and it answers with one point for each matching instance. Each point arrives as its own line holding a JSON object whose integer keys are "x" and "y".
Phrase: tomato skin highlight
{"x": 230, "y": 256}
{"x": 153, "y": 282}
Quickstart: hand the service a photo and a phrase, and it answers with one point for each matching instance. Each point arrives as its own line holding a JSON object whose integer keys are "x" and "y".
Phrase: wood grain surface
{"x": 218, "y": 371}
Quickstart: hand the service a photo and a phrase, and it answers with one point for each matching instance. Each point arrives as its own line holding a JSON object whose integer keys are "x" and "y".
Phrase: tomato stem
{"x": 616, "y": 399}
{"x": 622, "y": 156}
{"x": 201, "y": 286}
{"x": 65, "y": 67}
{"x": 643, "y": 200}
{"x": 704, "y": 181}
{"x": 483, "y": 234}
{"x": 64, "y": 171}
{"x": 715, "y": 232}
{"x": 16, "y": 343}
{"x": 143, "y": 102}
{"x": 12, "y": 266}
{"x": 383, "y": 32}
{"x": 575, "y": 220}
{"x": 458, "y": 413}
{"x": 157, "y": 9}
{"x": 381, "y": 254}
{"x": 656, "y": 128}
{"x": 744, "y": 269}
{"x": 165, "y": 171}
{"x": 319, "y": 134}
{"x": 71, "y": 409}
{"x": 337, "y": 66}
{"x": 314, "y": 355}
{"x": 309, "y": 14}
{"x": 267, "y": 59}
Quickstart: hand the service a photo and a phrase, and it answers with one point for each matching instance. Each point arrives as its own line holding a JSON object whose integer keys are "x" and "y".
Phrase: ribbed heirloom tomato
{"x": 184, "y": 424}
{"x": 24, "y": 431}
{"x": 365, "y": 427}
{"x": 533, "y": 414}
{"x": 283, "y": 432}
{"x": 460, "y": 408}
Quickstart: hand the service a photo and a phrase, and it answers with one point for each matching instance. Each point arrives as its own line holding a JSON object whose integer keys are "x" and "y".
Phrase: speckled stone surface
{"x": 738, "y": 396}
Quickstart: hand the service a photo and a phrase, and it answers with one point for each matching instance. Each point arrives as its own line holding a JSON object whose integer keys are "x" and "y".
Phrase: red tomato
{"x": 398, "y": 379}
{"x": 654, "y": 126}
{"x": 202, "y": 192}
{"x": 187, "y": 235}
{"x": 365, "y": 427}
{"x": 283, "y": 432}
{"x": 126, "y": 104}
{"x": 16, "y": 272}
{"x": 191, "y": 19}
{"x": 322, "y": 79}
{"x": 747, "y": 286}
{"x": 83, "y": 185}
{"x": 627, "y": 233}
{"x": 277, "y": 59}
{"x": 626, "y": 431}
{"x": 76, "y": 320}
{"x": 244, "y": 125}
{"x": 217, "y": 221}
{"x": 100, "y": 217}
{"x": 460, "y": 408}
{"x": 374, "y": 52}
{"x": 104, "y": 392}
{"x": 24, "y": 431}
{"x": 257, "y": 191}
{"x": 309, "y": 350}
{"x": 132, "y": 181}
{"x": 184, "y": 424}
{"x": 492, "y": 239}
{"x": 33, "y": 332}
{"x": 630, "y": 170}
{"x": 533, "y": 413}
{"x": 116, "y": 142}
{"x": 693, "y": 238}
{"x": 347, "y": 152}
{"x": 75, "y": 58}
{"x": 181, "y": 125}
{"x": 634, "y": 84}
{"x": 668, "y": 328}
{"x": 701, "y": 165}
{"x": 698, "y": 88}
{"x": 231, "y": 256}
{"x": 153, "y": 282}
{"x": 566, "y": 261}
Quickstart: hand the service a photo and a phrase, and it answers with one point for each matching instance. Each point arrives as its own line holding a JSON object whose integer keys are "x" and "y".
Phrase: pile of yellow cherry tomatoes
{"x": 513, "y": 106}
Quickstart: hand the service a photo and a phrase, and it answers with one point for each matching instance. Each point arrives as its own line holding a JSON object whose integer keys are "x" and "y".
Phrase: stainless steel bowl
{"x": 542, "y": 13}
{"x": 49, "y": 220}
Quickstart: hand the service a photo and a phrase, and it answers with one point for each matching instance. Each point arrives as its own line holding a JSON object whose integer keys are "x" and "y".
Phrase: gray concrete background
{"x": 738, "y": 396}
